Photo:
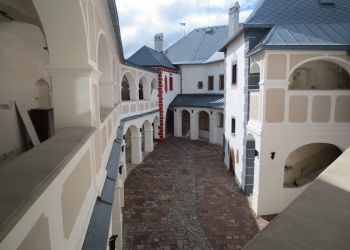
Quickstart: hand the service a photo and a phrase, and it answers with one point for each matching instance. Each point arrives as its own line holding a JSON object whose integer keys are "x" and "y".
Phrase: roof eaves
{"x": 232, "y": 39}
{"x": 299, "y": 47}
{"x": 147, "y": 68}
{"x": 115, "y": 21}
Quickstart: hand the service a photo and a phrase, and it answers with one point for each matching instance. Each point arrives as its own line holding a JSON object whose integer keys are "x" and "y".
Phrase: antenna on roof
{"x": 208, "y": 13}
{"x": 184, "y": 24}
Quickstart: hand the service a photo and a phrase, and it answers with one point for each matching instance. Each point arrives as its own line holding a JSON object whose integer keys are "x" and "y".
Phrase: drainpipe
{"x": 111, "y": 242}
{"x": 180, "y": 71}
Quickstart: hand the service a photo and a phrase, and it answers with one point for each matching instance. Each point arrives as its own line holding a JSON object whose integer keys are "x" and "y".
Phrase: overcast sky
{"x": 140, "y": 20}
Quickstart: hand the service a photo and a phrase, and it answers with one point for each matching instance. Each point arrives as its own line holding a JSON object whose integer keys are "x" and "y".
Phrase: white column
{"x": 106, "y": 93}
{"x": 177, "y": 125}
{"x": 146, "y": 93}
{"x": 117, "y": 222}
{"x": 72, "y": 98}
{"x": 194, "y": 127}
{"x": 136, "y": 149}
{"x": 212, "y": 129}
{"x": 134, "y": 94}
{"x": 149, "y": 140}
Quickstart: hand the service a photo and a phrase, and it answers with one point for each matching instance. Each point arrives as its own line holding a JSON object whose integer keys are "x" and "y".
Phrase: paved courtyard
{"x": 183, "y": 197}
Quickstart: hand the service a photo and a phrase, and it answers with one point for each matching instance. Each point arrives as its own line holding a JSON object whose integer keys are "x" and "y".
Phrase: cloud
{"x": 140, "y": 20}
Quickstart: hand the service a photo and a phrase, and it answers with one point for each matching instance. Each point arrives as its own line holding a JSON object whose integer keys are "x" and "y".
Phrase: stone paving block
{"x": 183, "y": 197}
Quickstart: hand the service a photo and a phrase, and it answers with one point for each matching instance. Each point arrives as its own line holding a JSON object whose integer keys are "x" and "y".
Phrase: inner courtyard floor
{"x": 182, "y": 196}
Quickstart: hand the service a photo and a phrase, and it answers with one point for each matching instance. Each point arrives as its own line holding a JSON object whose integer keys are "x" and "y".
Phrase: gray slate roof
{"x": 198, "y": 46}
{"x": 306, "y": 36}
{"x": 150, "y": 69}
{"x": 215, "y": 101}
{"x": 300, "y": 24}
{"x": 148, "y": 57}
{"x": 299, "y": 11}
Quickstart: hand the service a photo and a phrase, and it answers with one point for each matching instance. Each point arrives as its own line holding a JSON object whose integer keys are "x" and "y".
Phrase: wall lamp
{"x": 272, "y": 155}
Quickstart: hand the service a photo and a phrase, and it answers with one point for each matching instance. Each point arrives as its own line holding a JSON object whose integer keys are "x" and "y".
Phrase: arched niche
{"x": 305, "y": 163}
{"x": 319, "y": 75}
{"x": 255, "y": 68}
{"x": 43, "y": 93}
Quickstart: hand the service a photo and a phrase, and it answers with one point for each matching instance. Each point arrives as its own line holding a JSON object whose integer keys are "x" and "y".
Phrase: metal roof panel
{"x": 199, "y": 100}
{"x": 198, "y": 46}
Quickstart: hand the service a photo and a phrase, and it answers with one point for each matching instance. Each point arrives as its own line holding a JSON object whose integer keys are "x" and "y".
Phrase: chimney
{"x": 233, "y": 22}
{"x": 158, "y": 42}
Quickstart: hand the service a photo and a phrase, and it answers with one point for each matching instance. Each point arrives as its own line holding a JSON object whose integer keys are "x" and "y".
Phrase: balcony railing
{"x": 131, "y": 108}
{"x": 300, "y": 107}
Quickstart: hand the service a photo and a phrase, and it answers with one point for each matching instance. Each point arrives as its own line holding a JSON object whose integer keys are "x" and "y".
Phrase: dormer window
{"x": 326, "y": 2}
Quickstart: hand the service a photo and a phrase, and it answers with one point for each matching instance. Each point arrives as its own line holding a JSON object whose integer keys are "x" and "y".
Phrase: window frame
{"x": 171, "y": 83}
{"x": 233, "y": 125}
{"x": 234, "y": 74}
{"x": 221, "y": 82}
{"x": 211, "y": 82}
{"x": 200, "y": 85}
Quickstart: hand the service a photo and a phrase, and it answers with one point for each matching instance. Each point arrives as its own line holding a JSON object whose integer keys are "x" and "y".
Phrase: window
{"x": 210, "y": 82}
{"x": 234, "y": 74}
{"x": 200, "y": 85}
{"x": 166, "y": 84}
{"x": 221, "y": 82}
{"x": 171, "y": 83}
{"x": 233, "y": 125}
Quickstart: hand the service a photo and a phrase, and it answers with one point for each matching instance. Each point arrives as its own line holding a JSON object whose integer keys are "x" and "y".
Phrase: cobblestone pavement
{"x": 183, "y": 197}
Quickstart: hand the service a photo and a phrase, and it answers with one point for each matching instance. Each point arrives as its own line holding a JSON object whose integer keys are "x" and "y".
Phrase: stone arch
{"x": 147, "y": 136}
{"x": 71, "y": 45}
{"x": 144, "y": 90}
{"x": 306, "y": 162}
{"x": 133, "y": 151}
{"x": 319, "y": 74}
{"x": 169, "y": 122}
{"x": 186, "y": 122}
{"x": 249, "y": 155}
{"x": 154, "y": 85}
{"x": 104, "y": 64}
{"x": 116, "y": 91}
{"x": 203, "y": 124}
{"x": 129, "y": 90}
